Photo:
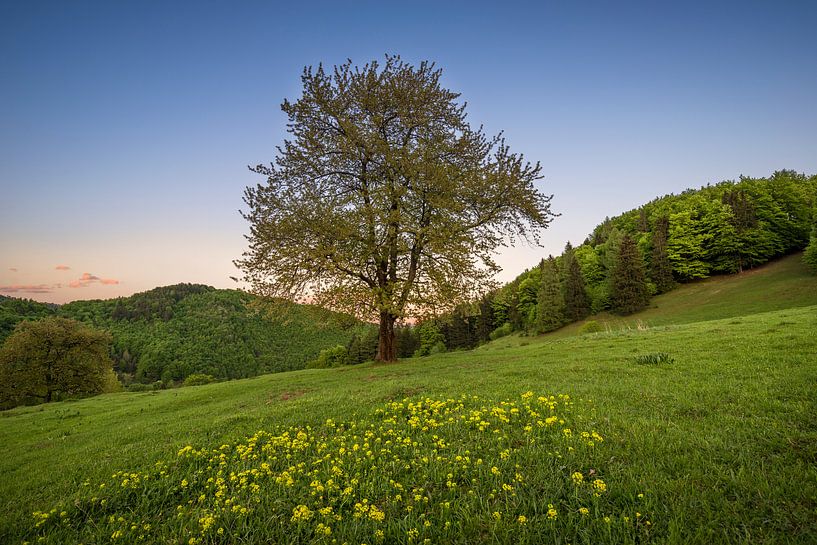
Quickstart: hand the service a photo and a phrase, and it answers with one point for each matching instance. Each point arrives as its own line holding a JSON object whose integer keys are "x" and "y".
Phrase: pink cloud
{"x": 12, "y": 269}
{"x": 62, "y": 268}
{"x": 87, "y": 279}
{"x": 26, "y": 288}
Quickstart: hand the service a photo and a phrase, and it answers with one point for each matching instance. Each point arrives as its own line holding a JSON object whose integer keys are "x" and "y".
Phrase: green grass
{"x": 722, "y": 442}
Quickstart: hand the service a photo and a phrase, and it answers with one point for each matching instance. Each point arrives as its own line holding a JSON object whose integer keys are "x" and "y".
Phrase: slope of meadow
{"x": 717, "y": 446}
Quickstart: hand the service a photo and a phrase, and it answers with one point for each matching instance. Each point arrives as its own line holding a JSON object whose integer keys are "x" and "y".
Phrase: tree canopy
{"x": 53, "y": 358}
{"x": 384, "y": 201}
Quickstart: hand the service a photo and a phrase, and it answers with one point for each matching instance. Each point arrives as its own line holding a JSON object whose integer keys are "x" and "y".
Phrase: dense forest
{"x": 171, "y": 333}
{"x": 724, "y": 228}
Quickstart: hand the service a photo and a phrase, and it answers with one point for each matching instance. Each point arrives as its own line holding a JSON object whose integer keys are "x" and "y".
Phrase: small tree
{"x": 628, "y": 284}
{"x": 385, "y": 203}
{"x": 52, "y": 359}
{"x": 810, "y": 255}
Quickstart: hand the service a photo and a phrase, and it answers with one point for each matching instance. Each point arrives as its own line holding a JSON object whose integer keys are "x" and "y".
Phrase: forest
{"x": 166, "y": 335}
{"x": 728, "y": 227}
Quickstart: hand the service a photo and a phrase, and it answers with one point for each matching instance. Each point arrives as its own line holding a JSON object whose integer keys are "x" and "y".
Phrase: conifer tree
{"x": 660, "y": 266}
{"x": 577, "y": 303}
{"x": 550, "y": 300}
{"x": 628, "y": 283}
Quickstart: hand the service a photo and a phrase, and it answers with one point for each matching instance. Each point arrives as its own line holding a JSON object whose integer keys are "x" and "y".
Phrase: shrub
{"x": 139, "y": 387}
{"x": 329, "y": 357}
{"x": 502, "y": 331}
{"x": 810, "y": 255}
{"x": 590, "y": 326}
{"x": 198, "y": 379}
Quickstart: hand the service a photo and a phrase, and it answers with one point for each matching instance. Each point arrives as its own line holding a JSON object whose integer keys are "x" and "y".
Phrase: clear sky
{"x": 126, "y": 128}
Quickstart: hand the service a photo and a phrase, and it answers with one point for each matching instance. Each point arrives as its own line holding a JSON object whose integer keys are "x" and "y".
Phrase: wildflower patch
{"x": 463, "y": 470}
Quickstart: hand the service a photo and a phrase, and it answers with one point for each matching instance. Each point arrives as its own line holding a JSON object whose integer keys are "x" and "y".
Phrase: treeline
{"x": 718, "y": 229}
{"x": 166, "y": 335}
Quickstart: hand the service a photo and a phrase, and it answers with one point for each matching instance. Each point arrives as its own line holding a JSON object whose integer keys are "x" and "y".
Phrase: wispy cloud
{"x": 12, "y": 269}
{"x": 27, "y": 288}
{"x": 87, "y": 279}
{"x": 62, "y": 268}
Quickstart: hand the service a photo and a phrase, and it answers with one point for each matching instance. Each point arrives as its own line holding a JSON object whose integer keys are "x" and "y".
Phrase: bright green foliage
{"x": 686, "y": 248}
{"x": 199, "y": 380}
{"x": 551, "y": 301}
{"x": 577, "y": 302}
{"x": 590, "y": 326}
{"x": 385, "y": 202}
{"x": 431, "y": 338}
{"x": 501, "y": 331}
{"x": 628, "y": 284}
{"x": 329, "y": 357}
{"x": 810, "y": 255}
{"x": 52, "y": 359}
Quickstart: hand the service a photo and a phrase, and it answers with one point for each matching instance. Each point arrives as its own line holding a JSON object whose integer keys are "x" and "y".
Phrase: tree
{"x": 810, "y": 255}
{"x": 51, "y": 359}
{"x": 628, "y": 284}
{"x": 577, "y": 303}
{"x": 385, "y": 202}
{"x": 660, "y": 266}
{"x": 551, "y": 303}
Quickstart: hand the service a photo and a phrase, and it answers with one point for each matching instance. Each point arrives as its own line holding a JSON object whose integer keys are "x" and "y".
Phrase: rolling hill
{"x": 714, "y": 442}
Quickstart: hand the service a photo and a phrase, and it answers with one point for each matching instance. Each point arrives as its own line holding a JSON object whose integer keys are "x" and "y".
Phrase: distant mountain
{"x": 171, "y": 332}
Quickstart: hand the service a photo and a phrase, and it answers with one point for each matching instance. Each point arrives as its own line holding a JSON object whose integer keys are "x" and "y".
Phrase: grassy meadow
{"x": 718, "y": 444}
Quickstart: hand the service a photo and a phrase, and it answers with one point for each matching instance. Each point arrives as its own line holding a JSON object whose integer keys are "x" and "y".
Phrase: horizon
{"x": 129, "y": 129}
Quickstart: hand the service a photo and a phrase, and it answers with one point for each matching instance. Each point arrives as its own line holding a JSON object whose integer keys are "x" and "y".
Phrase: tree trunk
{"x": 386, "y": 346}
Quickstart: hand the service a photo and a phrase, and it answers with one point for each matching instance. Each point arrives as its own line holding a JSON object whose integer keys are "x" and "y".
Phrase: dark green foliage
{"x": 810, "y": 255}
{"x": 460, "y": 329}
{"x": 13, "y": 311}
{"x": 551, "y": 302}
{"x": 660, "y": 266}
{"x": 485, "y": 322}
{"x": 577, "y": 302}
{"x": 52, "y": 359}
{"x": 628, "y": 284}
{"x": 408, "y": 341}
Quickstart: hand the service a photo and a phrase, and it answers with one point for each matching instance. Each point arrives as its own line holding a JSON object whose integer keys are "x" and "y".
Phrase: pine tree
{"x": 577, "y": 303}
{"x": 660, "y": 266}
{"x": 550, "y": 299}
{"x": 628, "y": 283}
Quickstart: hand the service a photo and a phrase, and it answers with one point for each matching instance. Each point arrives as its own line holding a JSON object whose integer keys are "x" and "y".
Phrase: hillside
{"x": 714, "y": 445}
{"x": 169, "y": 333}
{"x": 781, "y": 284}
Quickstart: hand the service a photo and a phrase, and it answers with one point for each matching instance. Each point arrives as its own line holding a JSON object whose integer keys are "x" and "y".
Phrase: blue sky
{"x": 126, "y": 128}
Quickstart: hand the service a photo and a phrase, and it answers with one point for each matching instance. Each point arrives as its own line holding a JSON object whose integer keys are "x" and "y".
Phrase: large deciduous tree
{"x": 384, "y": 201}
{"x": 51, "y": 359}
